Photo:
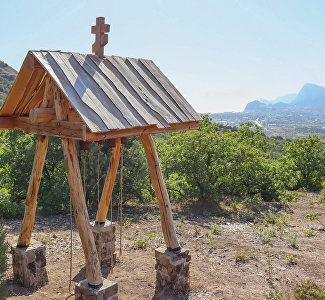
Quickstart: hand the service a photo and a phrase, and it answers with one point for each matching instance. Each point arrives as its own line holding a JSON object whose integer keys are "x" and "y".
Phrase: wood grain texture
{"x": 35, "y": 180}
{"x": 158, "y": 183}
{"x": 128, "y": 112}
{"x": 126, "y": 92}
{"x": 161, "y": 113}
{"x": 93, "y": 270}
{"x": 106, "y": 197}
{"x": 89, "y": 93}
{"x": 17, "y": 90}
{"x": 32, "y": 192}
{"x": 109, "y": 93}
{"x": 78, "y": 131}
{"x": 170, "y": 89}
{"x": 41, "y": 115}
{"x": 93, "y": 121}
{"x": 150, "y": 84}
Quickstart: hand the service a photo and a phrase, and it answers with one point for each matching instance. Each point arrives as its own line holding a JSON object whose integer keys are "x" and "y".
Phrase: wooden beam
{"x": 31, "y": 198}
{"x": 137, "y": 131}
{"x": 66, "y": 129}
{"x": 79, "y": 130}
{"x": 109, "y": 183}
{"x": 42, "y": 115}
{"x": 161, "y": 193}
{"x": 93, "y": 270}
{"x": 35, "y": 179}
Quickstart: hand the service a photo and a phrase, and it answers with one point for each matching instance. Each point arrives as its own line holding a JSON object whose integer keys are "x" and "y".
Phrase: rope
{"x": 112, "y": 250}
{"x": 99, "y": 238}
{"x": 121, "y": 200}
{"x": 70, "y": 246}
{"x": 84, "y": 171}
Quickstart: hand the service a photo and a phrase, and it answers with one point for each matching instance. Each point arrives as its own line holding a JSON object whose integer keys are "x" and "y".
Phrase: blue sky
{"x": 219, "y": 54}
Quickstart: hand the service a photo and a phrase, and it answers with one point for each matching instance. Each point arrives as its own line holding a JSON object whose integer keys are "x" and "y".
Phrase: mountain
{"x": 284, "y": 99}
{"x": 256, "y": 105}
{"x": 7, "y": 78}
{"x": 311, "y": 96}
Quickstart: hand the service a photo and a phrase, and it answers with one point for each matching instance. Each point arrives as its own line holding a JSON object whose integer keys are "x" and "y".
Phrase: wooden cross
{"x": 100, "y": 30}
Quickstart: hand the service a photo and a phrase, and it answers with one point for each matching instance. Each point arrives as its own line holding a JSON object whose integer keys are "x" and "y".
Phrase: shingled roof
{"x": 109, "y": 93}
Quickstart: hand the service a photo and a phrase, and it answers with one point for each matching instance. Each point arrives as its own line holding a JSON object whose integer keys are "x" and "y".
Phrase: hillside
{"x": 7, "y": 78}
{"x": 311, "y": 96}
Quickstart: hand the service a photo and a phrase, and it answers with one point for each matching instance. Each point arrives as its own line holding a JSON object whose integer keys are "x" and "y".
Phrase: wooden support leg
{"x": 93, "y": 270}
{"x": 31, "y": 198}
{"x": 161, "y": 193}
{"x": 109, "y": 183}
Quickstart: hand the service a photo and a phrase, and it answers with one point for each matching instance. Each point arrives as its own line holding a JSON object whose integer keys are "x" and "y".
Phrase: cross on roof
{"x": 100, "y": 30}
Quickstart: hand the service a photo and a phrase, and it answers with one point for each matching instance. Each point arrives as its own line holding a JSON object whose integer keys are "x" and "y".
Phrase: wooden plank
{"x": 87, "y": 114}
{"x": 33, "y": 86}
{"x": 78, "y": 130}
{"x": 34, "y": 182}
{"x": 161, "y": 193}
{"x": 93, "y": 270}
{"x": 170, "y": 89}
{"x": 129, "y": 95}
{"x": 74, "y": 130}
{"x": 31, "y": 198}
{"x": 150, "y": 84}
{"x": 161, "y": 112}
{"x": 84, "y": 86}
{"x": 136, "y": 131}
{"x": 41, "y": 115}
{"x": 17, "y": 90}
{"x": 106, "y": 197}
{"x": 128, "y": 112}
{"x": 35, "y": 101}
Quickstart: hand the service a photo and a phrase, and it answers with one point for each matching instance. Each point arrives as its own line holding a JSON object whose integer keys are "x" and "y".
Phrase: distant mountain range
{"x": 311, "y": 96}
{"x": 7, "y": 78}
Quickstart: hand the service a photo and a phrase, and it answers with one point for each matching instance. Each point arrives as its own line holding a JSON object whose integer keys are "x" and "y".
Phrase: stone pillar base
{"x": 172, "y": 273}
{"x": 107, "y": 241}
{"x": 108, "y": 291}
{"x": 29, "y": 264}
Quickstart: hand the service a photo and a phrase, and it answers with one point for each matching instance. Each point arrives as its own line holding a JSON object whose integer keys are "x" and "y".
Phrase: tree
{"x": 307, "y": 158}
{"x": 3, "y": 262}
{"x": 212, "y": 161}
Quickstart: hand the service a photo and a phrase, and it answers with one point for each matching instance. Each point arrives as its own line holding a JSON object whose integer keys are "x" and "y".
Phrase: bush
{"x": 211, "y": 162}
{"x": 306, "y": 159}
{"x": 3, "y": 262}
{"x": 308, "y": 290}
{"x": 9, "y": 209}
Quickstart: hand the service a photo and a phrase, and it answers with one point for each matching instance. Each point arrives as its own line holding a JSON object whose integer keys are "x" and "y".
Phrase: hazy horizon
{"x": 219, "y": 54}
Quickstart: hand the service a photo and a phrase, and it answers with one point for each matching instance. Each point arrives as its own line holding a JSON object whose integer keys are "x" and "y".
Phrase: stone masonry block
{"x": 106, "y": 241}
{"x": 29, "y": 264}
{"x": 172, "y": 273}
{"x": 108, "y": 291}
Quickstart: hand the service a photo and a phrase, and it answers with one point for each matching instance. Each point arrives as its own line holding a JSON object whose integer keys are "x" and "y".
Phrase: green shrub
{"x": 8, "y": 208}
{"x": 308, "y": 290}
{"x": 3, "y": 261}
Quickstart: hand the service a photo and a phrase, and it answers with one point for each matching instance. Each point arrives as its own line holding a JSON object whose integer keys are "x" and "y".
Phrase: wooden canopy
{"x": 106, "y": 97}
{"x": 91, "y": 98}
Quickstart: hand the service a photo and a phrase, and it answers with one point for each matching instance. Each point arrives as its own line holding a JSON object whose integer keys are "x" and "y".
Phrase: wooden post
{"x": 31, "y": 198}
{"x": 93, "y": 270}
{"x": 109, "y": 183}
{"x": 35, "y": 177}
{"x": 161, "y": 193}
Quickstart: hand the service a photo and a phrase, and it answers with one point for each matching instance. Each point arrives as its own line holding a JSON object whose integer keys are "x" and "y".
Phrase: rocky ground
{"x": 243, "y": 259}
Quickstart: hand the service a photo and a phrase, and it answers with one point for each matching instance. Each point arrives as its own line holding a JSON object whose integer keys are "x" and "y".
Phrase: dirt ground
{"x": 215, "y": 273}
